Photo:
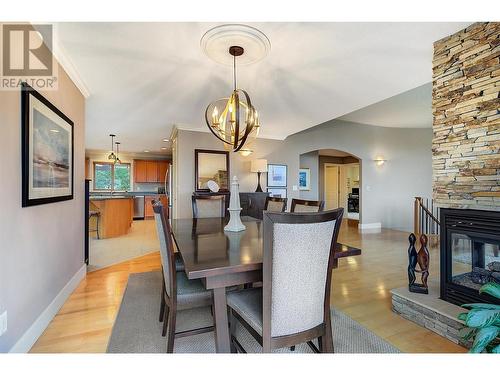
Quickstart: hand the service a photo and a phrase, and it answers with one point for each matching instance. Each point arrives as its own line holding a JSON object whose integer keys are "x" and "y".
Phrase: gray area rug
{"x": 137, "y": 329}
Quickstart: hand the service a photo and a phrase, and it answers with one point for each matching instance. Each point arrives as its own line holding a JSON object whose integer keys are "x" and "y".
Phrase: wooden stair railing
{"x": 425, "y": 216}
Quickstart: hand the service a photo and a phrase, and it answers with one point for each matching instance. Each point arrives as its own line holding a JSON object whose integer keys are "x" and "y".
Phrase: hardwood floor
{"x": 361, "y": 289}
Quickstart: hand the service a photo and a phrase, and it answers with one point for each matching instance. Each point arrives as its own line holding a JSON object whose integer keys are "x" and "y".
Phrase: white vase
{"x": 235, "y": 224}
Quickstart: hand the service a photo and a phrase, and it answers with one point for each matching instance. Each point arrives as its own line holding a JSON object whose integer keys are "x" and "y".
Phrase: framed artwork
{"x": 211, "y": 165}
{"x": 47, "y": 150}
{"x": 276, "y": 175}
{"x": 304, "y": 179}
{"x": 277, "y": 192}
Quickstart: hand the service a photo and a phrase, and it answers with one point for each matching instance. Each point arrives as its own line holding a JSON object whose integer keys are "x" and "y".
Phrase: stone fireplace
{"x": 466, "y": 159}
{"x": 466, "y": 178}
{"x": 470, "y": 254}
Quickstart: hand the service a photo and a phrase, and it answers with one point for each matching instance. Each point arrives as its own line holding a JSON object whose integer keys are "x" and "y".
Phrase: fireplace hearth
{"x": 470, "y": 254}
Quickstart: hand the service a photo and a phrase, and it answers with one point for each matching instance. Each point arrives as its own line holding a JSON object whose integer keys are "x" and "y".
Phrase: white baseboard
{"x": 370, "y": 227}
{"x": 24, "y": 344}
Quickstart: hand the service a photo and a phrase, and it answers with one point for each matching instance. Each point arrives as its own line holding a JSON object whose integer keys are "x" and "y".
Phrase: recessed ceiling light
{"x": 163, "y": 148}
{"x": 146, "y": 150}
{"x": 54, "y": 130}
{"x": 166, "y": 139}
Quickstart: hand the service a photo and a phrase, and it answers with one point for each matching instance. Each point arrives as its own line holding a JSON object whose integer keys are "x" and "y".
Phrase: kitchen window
{"x": 110, "y": 176}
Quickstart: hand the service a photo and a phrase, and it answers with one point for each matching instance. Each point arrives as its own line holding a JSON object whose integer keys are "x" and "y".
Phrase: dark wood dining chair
{"x": 275, "y": 204}
{"x": 293, "y": 305}
{"x": 207, "y": 206}
{"x": 179, "y": 293}
{"x": 302, "y": 205}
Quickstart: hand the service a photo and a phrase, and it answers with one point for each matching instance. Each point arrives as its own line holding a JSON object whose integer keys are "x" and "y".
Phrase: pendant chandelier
{"x": 233, "y": 120}
{"x": 117, "y": 160}
{"x": 112, "y": 156}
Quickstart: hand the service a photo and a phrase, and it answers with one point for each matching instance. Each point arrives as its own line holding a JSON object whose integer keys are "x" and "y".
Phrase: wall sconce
{"x": 379, "y": 161}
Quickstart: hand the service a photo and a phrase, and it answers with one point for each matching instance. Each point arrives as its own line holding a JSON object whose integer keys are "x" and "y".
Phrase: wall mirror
{"x": 211, "y": 165}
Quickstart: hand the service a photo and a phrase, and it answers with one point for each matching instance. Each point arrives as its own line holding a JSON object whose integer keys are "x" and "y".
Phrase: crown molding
{"x": 65, "y": 62}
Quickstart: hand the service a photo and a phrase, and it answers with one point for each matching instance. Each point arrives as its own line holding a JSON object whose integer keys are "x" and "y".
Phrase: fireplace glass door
{"x": 473, "y": 260}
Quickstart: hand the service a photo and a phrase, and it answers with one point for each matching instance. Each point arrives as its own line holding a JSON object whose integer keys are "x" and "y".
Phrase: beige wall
{"x": 465, "y": 102}
{"x": 41, "y": 247}
{"x": 188, "y": 141}
{"x": 387, "y": 191}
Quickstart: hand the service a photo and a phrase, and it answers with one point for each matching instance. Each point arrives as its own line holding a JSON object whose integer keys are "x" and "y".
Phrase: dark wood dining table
{"x": 224, "y": 259}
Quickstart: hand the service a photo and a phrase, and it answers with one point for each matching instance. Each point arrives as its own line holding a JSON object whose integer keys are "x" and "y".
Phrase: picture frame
{"x": 277, "y": 192}
{"x": 276, "y": 175}
{"x": 47, "y": 150}
{"x": 211, "y": 165}
{"x": 304, "y": 179}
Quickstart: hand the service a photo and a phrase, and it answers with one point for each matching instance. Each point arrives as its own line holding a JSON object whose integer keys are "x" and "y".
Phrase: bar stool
{"x": 97, "y": 215}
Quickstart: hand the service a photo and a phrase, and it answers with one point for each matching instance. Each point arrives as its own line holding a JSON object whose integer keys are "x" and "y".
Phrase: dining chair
{"x": 207, "y": 206}
{"x": 179, "y": 293}
{"x": 275, "y": 204}
{"x": 293, "y": 305}
{"x": 302, "y": 205}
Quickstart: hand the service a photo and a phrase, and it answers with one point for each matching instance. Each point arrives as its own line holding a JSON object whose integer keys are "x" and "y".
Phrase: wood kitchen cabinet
{"x": 150, "y": 170}
{"x": 148, "y": 206}
{"x": 140, "y": 171}
{"x": 162, "y": 170}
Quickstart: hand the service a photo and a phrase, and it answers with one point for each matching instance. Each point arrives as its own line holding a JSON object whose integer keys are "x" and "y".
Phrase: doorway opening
{"x": 335, "y": 179}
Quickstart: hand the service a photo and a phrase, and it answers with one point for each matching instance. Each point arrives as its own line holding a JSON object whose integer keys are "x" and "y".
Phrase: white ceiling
{"x": 145, "y": 77}
{"x": 411, "y": 109}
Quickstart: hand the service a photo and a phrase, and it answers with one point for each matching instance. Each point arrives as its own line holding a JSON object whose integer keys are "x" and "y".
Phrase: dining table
{"x": 223, "y": 259}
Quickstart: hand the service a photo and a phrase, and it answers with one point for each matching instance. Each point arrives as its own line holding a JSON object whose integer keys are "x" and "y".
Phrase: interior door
{"x": 331, "y": 186}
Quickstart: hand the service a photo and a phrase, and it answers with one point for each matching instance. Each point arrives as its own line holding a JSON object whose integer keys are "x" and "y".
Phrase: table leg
{"x": 221, "y": 323}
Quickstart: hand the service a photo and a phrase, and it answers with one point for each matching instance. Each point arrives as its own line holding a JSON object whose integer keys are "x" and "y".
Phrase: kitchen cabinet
{"x": 140, "y": 171}
{"x": 148, "y": 206}
{"x": 162, "y": 170}
{"x": 150, "y": 170}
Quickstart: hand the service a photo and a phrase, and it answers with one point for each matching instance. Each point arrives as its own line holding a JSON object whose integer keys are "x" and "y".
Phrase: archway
{"x": 333, "y": 176}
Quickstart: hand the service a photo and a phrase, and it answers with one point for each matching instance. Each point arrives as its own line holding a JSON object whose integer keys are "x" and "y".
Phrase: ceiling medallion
{"x": 234, "y": 120}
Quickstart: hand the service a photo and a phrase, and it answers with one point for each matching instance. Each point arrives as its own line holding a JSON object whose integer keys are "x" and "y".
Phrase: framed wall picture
{"x": 304, "y": 179}
{"x": 211, "y": 165}
{"x": 47, "y": 150}
{"x": 276, "y": 175}
{"x": 277, "y": 192}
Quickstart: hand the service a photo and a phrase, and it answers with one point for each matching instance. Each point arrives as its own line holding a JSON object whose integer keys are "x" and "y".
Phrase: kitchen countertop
{"x": 96, "y": 194}
{"x": 105, "y": 197}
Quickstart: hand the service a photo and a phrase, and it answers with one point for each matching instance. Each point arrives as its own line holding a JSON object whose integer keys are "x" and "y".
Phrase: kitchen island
{"x": 116, "y": 214}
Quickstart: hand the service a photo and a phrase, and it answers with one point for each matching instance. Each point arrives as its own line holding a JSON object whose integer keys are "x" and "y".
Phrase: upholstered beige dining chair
{"x": 179, "y": 293}
{"x": 207, "y": 206}
{"x": 275, "y": 204}
{"x": 293, "y": 305}
{"x": 302, "y": 205}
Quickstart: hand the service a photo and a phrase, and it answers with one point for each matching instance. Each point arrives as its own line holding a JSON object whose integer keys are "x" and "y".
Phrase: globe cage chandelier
{"x": 238, "y": 123}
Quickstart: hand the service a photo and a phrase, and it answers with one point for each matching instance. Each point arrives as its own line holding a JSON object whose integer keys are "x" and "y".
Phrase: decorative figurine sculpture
{"x": 235, "y": 224}
{"x": 421, "y": 258}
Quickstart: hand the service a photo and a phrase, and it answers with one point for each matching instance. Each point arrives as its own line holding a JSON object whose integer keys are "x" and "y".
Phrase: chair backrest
{"x": 302, "y": 205}
{"x": 275, "y": 204}
{"x": 205, "y": 206}
{"x": 297, "y": 265}
{"x": 164, "y": 232}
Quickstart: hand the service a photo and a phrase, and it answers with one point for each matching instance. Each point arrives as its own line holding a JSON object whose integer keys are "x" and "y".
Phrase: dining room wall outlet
{"x": 3, "y": 323}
